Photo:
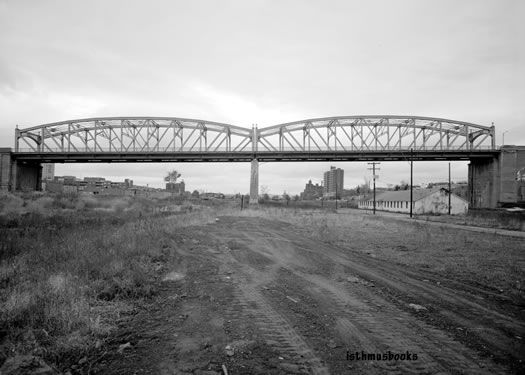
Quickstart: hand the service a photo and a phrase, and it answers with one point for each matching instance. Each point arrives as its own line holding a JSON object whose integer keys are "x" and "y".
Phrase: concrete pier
{"x": 493, "y": 182}
{"x": 27, "y": 176}
{"x": 254, "y": 182}
{"x": 5, "y": 169}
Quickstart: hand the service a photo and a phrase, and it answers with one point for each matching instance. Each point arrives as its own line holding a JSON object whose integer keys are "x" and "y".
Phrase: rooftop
{"x": 404, "y": 195}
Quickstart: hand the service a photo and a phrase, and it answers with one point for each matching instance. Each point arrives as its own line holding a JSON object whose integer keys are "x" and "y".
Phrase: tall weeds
{"x": 69, "y": 265}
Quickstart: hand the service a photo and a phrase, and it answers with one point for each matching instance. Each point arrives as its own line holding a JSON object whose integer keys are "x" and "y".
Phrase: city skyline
{"x": 295, "y": 182}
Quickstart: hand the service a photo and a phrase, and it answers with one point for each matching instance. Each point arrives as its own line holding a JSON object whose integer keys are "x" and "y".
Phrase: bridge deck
{"x": 246, "y": 156}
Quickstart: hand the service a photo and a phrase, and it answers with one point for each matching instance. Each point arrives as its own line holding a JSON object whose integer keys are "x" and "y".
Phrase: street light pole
{"x": 503, "y": 137}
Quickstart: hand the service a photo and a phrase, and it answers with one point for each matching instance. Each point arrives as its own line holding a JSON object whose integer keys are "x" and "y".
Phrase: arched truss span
{"x": 375, "y": 133}
{"x": 331, "y": 134}
{"x": 134, "y": 134}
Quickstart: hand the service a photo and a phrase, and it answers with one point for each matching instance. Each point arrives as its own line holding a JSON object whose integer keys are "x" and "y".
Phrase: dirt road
{"x": 259, "y": 297}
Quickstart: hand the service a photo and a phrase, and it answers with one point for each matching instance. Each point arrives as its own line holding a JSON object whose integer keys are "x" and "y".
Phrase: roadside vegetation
{"x": 70, "y": 266}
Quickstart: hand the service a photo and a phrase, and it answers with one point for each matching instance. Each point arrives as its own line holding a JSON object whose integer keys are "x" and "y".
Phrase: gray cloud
{"x": 262, "y": 62}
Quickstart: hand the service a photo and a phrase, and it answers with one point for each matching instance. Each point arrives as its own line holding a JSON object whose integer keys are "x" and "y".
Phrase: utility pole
{"x": 411, "y": 179}
{"x": 373, "y": 169}
{"x": 336, "y": 194}
{"x": 449, "y": 188}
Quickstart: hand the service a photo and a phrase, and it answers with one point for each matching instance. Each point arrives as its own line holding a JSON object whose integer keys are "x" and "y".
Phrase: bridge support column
{"x": 494, "y": 183}
{"x": 254, "y": 182}
{"x": 482, "y": 183}
{"x": 27, "y": 176}
{"x": 6, "y": 167}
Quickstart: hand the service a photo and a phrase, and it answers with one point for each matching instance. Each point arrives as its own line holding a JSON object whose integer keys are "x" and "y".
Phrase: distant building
{"x": 48, "y": 171}
{"x": 333, "y": 182}
{"x": 425, "y": 201}
{"x": 93, "y": 185}
{"x": 176, "y": 187}
{"x": 312, "y": 191}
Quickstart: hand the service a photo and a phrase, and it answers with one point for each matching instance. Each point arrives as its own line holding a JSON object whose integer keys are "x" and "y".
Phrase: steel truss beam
{"x": 178, "y": 135}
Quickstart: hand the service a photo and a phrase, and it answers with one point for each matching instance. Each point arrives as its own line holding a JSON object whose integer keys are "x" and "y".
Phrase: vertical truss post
{"x": 254, "y": 141}
{"x": 174, "y": 135}
{"x": 375, "y": 136}
{"x": 335, "y": 140}
{"x": 17, "y": 138}
{"x": 415, "y": 134}
{"x": 95, "y": 136}
{"x": 467, "y": 138}
{"x": 157, "y": 137}
{"x": 309, "y": 138}
{"x": 362, "y": 140}
{"x": 148, "y": 135}
{"x": 134, "y": 127}
{"x": 352, "y": 137}
{"x": 69, "y": 137}
{"x": 42, "y": 148}
{"x": 440, "y": 135}
{"x": 386, "y": 122}
{"x": 304, "y": 138}
{"x": 493, "y": 136}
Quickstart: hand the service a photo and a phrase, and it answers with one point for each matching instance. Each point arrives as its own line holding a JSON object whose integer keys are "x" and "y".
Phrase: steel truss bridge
{"x": 166, "y": 139}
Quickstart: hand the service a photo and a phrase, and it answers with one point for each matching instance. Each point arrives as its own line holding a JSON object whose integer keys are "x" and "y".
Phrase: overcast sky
{"x": 264, "y": 62}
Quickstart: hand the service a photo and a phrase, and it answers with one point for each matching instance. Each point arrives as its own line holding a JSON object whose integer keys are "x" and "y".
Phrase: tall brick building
{"x": 312, "y": 191}
{"x": 333, "y": 182}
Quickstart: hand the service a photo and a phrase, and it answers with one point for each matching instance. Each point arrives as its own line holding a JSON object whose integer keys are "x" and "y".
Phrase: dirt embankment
{"x": 258, "y": 296}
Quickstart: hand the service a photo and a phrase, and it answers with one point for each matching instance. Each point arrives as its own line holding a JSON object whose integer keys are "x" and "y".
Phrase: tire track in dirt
{"x": 249, "y": 303}
{"x": 383, "y": 327}
{"x": 456, "y": 306}
{"x": 460, "y": 309}
{"x": 353, "y": 315}
{"x": 276, "y": 330}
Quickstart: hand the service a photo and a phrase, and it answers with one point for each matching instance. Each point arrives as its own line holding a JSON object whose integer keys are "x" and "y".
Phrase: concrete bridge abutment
{"x": 494, "y": 182}
{"x": 18, "y": 175}
{"x": 5, "y": 169}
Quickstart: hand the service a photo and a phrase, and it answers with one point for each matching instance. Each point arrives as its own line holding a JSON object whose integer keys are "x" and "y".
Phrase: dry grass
{"x": 70, "y": 265}
{"x": 491, "y": 260}
{"x": 489, "y": 218}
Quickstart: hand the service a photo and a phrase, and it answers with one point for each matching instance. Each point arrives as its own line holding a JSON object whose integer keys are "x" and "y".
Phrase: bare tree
{"x": 172, "y": 176}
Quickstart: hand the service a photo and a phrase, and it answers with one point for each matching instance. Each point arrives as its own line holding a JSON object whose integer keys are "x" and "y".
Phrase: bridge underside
{"x": 492, "y": 179}
{"x": 266, "y": 156}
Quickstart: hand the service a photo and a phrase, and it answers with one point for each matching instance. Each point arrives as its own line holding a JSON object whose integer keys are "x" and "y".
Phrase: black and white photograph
{"x": 237, "y": 187}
